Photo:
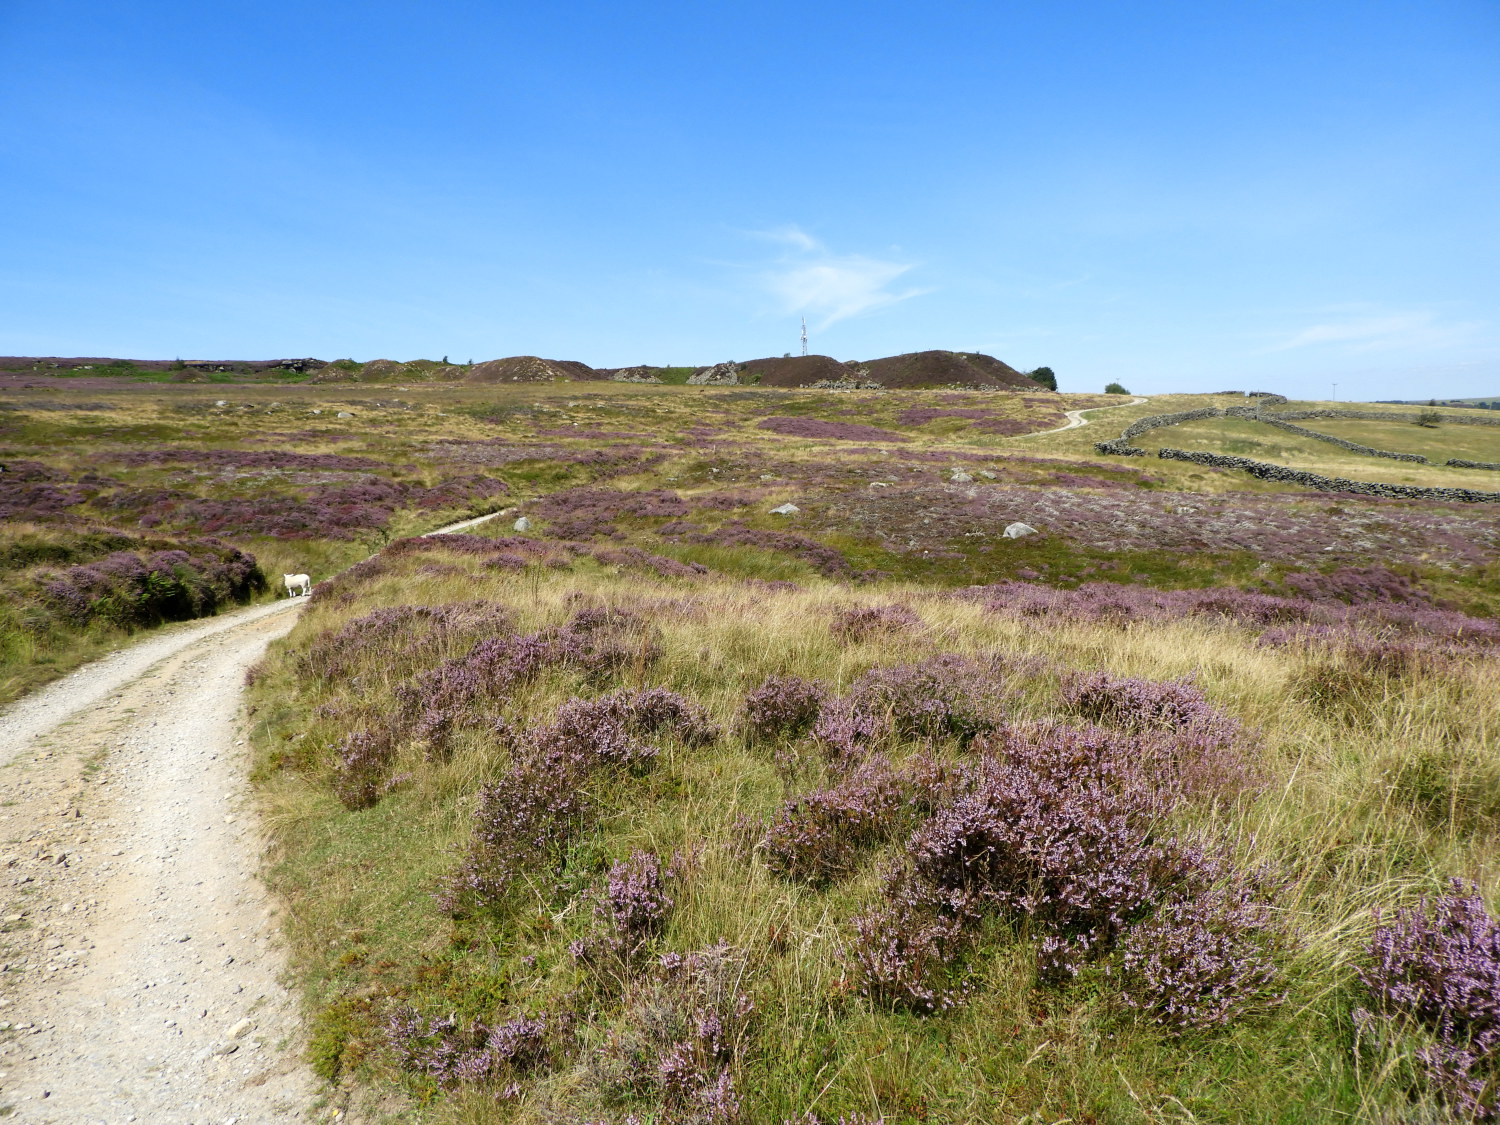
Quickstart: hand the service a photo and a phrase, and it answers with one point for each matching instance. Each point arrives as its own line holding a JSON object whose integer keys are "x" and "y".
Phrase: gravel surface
{"x": 141, "y": 964}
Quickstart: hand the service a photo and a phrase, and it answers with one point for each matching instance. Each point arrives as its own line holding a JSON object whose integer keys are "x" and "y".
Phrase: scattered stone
{"x": 986, "y": 474}
{"x": 960, "y": 477}
{"x": 522, "y": 524}
{"x": 240, "y": 1029}
{"x": 345, "y": 414}
{"x": 785, "y": 510}
{"x": 1019, "y": 530}
{"x": 221, "y": 402}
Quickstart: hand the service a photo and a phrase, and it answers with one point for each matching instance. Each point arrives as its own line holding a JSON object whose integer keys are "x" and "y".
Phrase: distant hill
{"x": 909, "y": 371}
{"x": 1484, "y": 402}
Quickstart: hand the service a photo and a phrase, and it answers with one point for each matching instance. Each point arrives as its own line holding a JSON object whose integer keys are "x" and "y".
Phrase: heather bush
{"x": 408, "y": 634}
{"x": 944, "y": 696}
{"x": 361, "y": 767}
{"x": 587, "y": 513}
{"x": 906, "y": 951}
{"x": 130, "y": 590}
{"x": 526, "y": 819}
{"x": 831, "y": 431}
{"x": 1358, "y": 586}
{"x": 681, "y": 1036}
{"x": 783, "y": 707}
{"x": 863, "y": 622}
{"x": 1204, "y": 959}
{"x": 1434, "y": 974}
{"x": 823, "y": 834}
{"x": 455, "y": 1054}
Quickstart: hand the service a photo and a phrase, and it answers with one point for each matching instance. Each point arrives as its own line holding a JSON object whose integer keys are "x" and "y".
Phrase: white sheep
{"x": 294, "y": 582}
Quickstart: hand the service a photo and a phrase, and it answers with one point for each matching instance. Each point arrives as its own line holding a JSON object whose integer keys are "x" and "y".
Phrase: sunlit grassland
{"x": 1371, "y": 797}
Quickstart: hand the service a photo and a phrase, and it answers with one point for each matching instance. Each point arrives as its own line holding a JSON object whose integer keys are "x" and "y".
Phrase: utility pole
{"x": 804, "y": 335}
{"x": 1335, "y": 392}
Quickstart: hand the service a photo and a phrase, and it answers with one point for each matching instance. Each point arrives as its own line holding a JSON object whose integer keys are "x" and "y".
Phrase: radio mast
{"x": 804, "y": 335}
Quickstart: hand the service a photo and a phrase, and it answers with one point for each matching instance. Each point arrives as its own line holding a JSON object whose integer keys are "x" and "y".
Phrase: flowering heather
{"x": 683, "y": 1035}
{"x": 595, "y": 643}
{"x": 863, "y": 622}
{"x": 406, "y": 633}
{"x": 822, "y": 835}
{"x": 944, "y": 696}
{"x": 636, "y": 900}
{"x": 454, "y": 1054}
{"x": 637, "y": 559}
{"x": 1203, "y": 960}
{"x": 1115, "y": 603}
{"x": 1435, "y": 971}
{"x": 587, "y": 513}
{"x": 361, "y": 766}
{"x": 242, "y": 459}
{"x": 128, "y": 589}
{"x": 829, "y": 431}
{"x": 906, "y": 950}
{"x": 1358, "y": 585}
{"x": 527, "y": 817}
{"x": 783, "y": 707}
{"x": 1285, "y": 528}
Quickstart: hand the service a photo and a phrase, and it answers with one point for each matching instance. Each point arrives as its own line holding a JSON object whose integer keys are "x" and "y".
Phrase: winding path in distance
{"x": 1076, "y": 417}
{"x": 141, "y": 976}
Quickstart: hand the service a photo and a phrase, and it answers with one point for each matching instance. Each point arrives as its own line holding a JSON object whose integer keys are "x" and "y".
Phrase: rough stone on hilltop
{"x": 725, "y": 374}
{"x": 641, "y": 374}
{"x": 529, "y": 369}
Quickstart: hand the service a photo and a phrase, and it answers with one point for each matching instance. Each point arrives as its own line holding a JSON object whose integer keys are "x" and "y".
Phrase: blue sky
{"x": 1177, "y": 196}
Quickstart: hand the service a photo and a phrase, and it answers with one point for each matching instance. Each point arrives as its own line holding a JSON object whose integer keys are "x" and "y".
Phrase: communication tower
{"x": 804, "y": 335}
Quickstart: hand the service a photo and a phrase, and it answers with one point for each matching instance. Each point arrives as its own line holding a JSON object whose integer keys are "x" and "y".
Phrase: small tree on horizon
{"x": 1044, "y": 376}
{"x": 1115, "y": 389}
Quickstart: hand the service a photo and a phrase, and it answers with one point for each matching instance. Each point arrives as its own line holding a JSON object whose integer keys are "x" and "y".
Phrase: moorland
{"x": 642, "y": 801}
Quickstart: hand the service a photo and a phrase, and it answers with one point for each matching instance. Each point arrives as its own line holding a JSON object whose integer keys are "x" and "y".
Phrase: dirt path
{"x": 139, "y": 955}
{"x": 1076, "y": 417}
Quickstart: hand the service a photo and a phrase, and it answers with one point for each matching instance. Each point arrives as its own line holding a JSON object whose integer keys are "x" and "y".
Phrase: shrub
{"x": 682, "y": 1035}
{"x": 1203, "y": 960}
{"x": 944, "y": 696}
{"x": 527, "y": 817}
{"x": 822, "y": 835}
{"x": 783, "y": 707}
{"x": 1115, "y": 389}
{"x": 1046, "y": 378}
{"x": 1435, "y": 971}
{"x": 863, "y": 622}
{"x": 905, "y": 951}
{"x": 129, "y": 590}
{"x": 455, "y": 1054}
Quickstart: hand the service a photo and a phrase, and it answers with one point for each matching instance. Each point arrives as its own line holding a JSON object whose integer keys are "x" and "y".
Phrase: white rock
{"x": 785, "y": 510}
{"x": 240, "y": 1029}
{"x": 221, "y": 402}
{"x": 1019, "y": 530}
{"x": 986, "y": 474}
{"x": 879, "y": 484}
{"x": 960, "y": 477}
{"x": 522, "y": 524}
{"x": 345, "y": 414}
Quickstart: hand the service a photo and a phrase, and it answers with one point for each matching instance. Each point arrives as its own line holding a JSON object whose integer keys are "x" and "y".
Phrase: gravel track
{"x": 140, "y": 964}
{"x": 1076, "y": 417}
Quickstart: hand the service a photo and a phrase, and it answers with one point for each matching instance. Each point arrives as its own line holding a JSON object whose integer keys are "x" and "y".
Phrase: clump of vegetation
{"x": 1115, "y": 389}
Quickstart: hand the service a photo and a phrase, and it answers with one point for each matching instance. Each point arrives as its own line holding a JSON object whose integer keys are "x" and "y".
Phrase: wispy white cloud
{"x": 810, "y": 279}
{"x": 1375, "y": 333}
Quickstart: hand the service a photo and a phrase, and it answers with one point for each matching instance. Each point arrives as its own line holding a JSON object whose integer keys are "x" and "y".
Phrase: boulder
{"x": 1019, "y": 530}
{"x": 522, "y": 524}
{"x": 960, "y": 477}
{"x": 785, "y": 510}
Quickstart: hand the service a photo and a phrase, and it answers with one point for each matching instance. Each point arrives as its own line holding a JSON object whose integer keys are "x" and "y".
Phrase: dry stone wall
{"x": 1266, "y": 471}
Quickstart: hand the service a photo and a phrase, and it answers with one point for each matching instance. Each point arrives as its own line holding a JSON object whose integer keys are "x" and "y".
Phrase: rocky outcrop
{"x": 635, "y": 375}
{"x": 726, "y": 374}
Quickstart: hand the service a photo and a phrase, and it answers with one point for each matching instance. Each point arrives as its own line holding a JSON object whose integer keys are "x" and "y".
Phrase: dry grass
{"x": 1350, "y": 816}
